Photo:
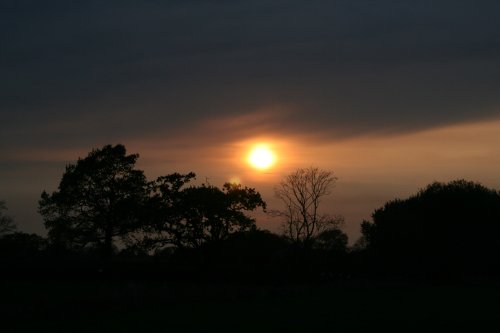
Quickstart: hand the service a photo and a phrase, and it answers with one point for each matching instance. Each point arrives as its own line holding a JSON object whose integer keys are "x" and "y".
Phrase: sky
{"x": 389, "y": 95}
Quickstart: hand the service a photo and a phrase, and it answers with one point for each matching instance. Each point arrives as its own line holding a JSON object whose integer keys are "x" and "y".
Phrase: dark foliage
{"x": 7, "y": 224}
{"x": 188, "y": 217}
{"x": 173, "y": 230}
{"x": 99, "y": 198}
{"x": 22, "y": 254}
{"x": 445, "y": 230}
{"x": 249, "y": 256}
{"x": 333, "y": 241}
{"x": 21, "y": 245}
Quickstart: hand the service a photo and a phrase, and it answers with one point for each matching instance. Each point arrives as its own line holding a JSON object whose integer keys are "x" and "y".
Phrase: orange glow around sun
{"x": 261, "y": 157}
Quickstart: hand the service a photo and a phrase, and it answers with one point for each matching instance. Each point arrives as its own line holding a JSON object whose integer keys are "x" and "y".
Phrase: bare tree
{"x": 301, "y": 193}
{"x": 7, "y": 225}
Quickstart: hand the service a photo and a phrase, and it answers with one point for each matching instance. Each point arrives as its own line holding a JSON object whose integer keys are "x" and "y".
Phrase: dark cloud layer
{"x": 78, "y": 72}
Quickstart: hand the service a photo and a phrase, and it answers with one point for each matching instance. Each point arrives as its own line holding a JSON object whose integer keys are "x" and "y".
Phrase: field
{"x": 118, "y": 306}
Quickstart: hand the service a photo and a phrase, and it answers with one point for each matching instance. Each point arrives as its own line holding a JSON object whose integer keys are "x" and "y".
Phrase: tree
{"x": 447, "y": 228}
{"x": 7, "y": 224}
{"x": 166, "y": 218}
{"x": 99, "y": 198}
{"x": 301, "y": 193}
{"x": 211, "y": 214}
{"x": 192, "y": 216}
{"x": 333, "y": 241}
{"x": 17, "y": 245}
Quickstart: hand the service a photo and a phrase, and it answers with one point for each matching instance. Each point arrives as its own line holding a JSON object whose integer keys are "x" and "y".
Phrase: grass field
{"x": 111, "y": 306}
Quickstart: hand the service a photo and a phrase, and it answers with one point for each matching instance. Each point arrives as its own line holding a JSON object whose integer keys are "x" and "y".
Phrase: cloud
{"x": 86, "y": 73}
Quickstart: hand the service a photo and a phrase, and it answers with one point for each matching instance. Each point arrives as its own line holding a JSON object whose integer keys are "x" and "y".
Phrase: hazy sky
{"x": 390, "y": 95}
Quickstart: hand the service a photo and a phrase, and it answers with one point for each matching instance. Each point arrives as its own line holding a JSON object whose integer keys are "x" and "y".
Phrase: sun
{"x": 261, "y": 157}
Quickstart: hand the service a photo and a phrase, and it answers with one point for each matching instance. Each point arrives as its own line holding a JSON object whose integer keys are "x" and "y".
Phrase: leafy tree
{"x": 98, "y": 199}
{"x": 165, "y": 215}
{"x": 254, "y": 255}
{"x": 19, "y": 244}
{"x": 444, "y": 228}
{"x": 211, "y": 214}
{"x": 333, "y": 241}
{"x": 194, "y": 215}
{"x": 301, "y": 193}
{"x": 7, "y": 224}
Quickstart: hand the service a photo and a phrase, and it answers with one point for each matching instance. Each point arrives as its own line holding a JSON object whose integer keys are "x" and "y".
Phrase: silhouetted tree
{"x": 7, "y": 224}
{"x": 164, "y": 229}
{"x": 99, "y": 198}
{"x": 301, "y": 193}
{"x": 361, "y": 243}
{"x": 333, "y": 241}
{"x": 255, "y": 255}
{"x": 447, "y": 229}
{"x": 191, "y": 216}
{"x": 211, "y": 214}
{"x": 19, "y": 244}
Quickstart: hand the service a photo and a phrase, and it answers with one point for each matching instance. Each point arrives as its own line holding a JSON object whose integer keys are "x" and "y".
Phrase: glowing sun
{"x": 261, "y": 157}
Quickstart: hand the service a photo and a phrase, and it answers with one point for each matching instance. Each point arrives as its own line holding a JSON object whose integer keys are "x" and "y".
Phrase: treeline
{"x": 106, "y": 219}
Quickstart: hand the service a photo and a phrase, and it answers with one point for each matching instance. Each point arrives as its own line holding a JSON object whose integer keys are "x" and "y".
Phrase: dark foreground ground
{"x": 128, "y": 306}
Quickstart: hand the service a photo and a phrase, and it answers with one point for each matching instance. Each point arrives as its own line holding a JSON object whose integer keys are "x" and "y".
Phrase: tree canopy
{"x": 7, "y": 224}
{"x": 99, "y": 198}
{"x": 103, "y": 197}
{"x": 445, "y": 227}
{"x": 189, "y": 216}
